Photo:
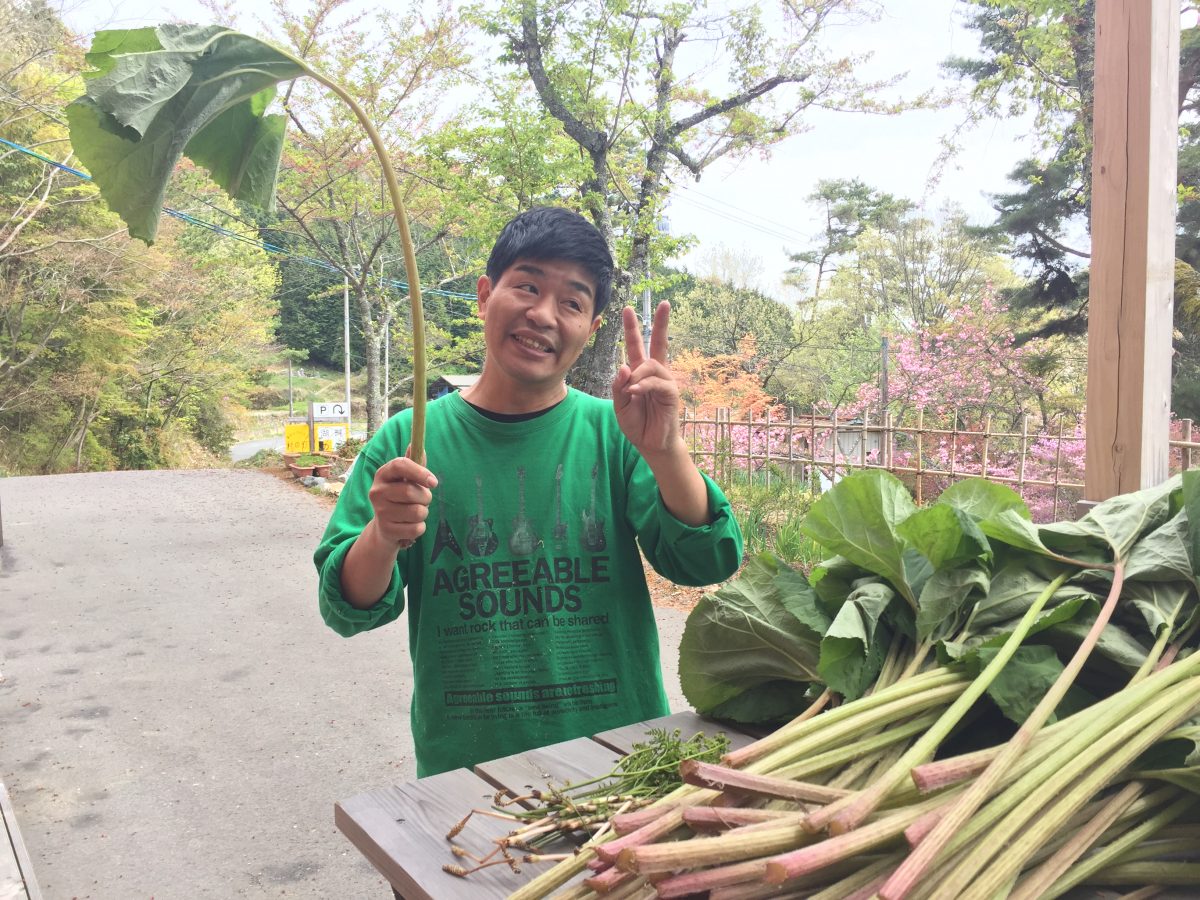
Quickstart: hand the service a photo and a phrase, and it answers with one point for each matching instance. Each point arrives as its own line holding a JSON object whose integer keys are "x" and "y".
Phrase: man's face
{"x": 537, "y": 318}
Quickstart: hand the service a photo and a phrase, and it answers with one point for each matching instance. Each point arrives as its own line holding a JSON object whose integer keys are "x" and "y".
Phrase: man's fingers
{"x": 404, "y": 469}
{"x": 634, "y": 352}
{"x": 658, "y": 334}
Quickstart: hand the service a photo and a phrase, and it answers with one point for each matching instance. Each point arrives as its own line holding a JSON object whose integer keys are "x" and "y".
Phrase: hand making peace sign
{"x": 645, "y": 393}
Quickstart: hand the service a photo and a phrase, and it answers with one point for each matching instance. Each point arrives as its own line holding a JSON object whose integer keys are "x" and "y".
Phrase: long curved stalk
{"x": 416, "y": 449}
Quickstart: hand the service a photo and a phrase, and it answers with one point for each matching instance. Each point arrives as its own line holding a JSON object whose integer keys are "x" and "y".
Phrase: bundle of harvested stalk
{"x": 584, "y": 809}
{"x": 992, "y": 708}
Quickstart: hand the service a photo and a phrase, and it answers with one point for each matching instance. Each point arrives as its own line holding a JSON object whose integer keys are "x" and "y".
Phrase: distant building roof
{"x": 448, "y": 384}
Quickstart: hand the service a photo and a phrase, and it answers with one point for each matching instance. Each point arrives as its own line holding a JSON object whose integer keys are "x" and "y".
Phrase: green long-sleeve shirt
{"x": 529, "y": 617}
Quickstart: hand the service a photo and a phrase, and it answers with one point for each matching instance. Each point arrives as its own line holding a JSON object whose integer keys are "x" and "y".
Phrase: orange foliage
{"x": 723, "y": 381}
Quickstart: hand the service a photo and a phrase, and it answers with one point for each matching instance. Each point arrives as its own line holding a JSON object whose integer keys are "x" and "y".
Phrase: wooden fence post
{"x": 767, "y": 465}
{"x": 812, "y": 445}
{"x": 833, "y": 418}
{"x": 1185, "y": 459}
{"x": 920, "y": 441}
{"x": 1024, "y": 448}
{"x": 987, "y": 441}
{"x": 954, "y": 445}
{"x": 1058, "y": 464}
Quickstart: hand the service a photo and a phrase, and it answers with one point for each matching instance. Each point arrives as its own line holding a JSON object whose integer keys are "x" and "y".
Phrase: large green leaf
{"x": 982, "y": 499}
{"x": 1115, "y": 643}
{"x": 152, "y": 95}
{"x": 1014, "y": 529}
{"x": 1191, "y": 504}
{"x": 945, "y": 535}
{"x": 1177, "y": 750}
{"x": 834, "y": 580}
{"x": 1013, "y": 590}
{"x": 745, "y": 635}
{"x": 1162, "y": 604}
{"x": 1023, "y": 681}
{"x": 944, "y": 597}
{"x": 855, "y": 644}
{"x": 1162, "y": 555}
{"x": 858, "y": 518}
{"x": 1116, "y": 523}
{"x": 766, "y": 702}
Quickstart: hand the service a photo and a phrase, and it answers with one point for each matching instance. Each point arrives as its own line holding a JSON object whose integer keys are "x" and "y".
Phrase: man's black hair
{"x": 553, "y": 232}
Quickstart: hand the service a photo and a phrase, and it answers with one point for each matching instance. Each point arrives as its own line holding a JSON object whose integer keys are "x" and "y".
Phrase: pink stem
{"x": 721, "y": 778}
{"x": 699, "y": 882}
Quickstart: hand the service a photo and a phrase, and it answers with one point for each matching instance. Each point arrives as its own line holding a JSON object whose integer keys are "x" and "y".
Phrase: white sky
{"x": 757, "y": 207}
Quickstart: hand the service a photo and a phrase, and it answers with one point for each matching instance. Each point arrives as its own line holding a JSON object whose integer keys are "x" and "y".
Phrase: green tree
{"x": 643, "y": 108}
{"x": 1039, "y": 56}
{"x": 111, "y": 353}
{"x": 398, "y": 65}
{"x": 848, "y": 207}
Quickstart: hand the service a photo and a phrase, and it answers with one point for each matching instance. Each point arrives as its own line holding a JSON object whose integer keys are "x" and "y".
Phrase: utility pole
{"x": 646, "y": 321}
{"x": 346, "y": 335}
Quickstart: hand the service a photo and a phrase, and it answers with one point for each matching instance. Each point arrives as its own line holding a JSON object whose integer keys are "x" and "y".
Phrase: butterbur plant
{"x": 157, "y": 94}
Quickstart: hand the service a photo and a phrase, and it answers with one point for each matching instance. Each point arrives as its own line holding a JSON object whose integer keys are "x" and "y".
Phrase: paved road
{"x": 247, "y": 449}
{"x": 175, "y": 719}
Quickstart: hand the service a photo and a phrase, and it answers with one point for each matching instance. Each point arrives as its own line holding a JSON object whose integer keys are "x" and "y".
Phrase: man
{"x": 529, "y": 617}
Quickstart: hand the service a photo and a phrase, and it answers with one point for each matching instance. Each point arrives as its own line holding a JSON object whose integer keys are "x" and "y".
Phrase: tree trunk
{"x": 373, "y": 352}
{"x": 597, "y": 365}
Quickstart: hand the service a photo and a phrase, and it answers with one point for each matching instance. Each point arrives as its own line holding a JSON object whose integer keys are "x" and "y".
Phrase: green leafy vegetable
{"x": 858, "y": 519}
{"x": 760, "y": 629}
{"x": 855, "y": 643}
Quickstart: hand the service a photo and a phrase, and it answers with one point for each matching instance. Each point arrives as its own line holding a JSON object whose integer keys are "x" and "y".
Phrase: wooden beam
{"x": 1130, "y": 306}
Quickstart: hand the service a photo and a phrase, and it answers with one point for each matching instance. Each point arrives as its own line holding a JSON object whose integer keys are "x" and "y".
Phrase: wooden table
{"x": 402, "y": 829}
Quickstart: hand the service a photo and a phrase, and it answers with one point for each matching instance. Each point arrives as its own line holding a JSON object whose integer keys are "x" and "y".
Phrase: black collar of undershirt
{"x": 510, "y": 417}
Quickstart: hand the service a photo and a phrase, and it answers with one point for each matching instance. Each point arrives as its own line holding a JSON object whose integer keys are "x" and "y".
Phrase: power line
{"x": 745, "y": 212}
{"x": 260, "y": 244}
{"x": 741, "y": 221}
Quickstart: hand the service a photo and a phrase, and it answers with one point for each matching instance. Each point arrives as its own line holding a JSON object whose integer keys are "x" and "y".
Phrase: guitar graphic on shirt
{"x": 560, "y": 527}
{"x": 481, "y": 539}
{"x": 444, "y": 537}
{"x": 523, "y": 540}
{"x": 593, "y": 527}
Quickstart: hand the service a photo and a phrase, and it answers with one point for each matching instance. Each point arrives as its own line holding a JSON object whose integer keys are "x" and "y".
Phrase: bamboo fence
{"x": 817, "y": 450}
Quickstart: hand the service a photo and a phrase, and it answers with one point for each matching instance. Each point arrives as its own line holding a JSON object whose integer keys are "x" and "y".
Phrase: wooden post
{"x": 987, "y": 440}
{"x": 767, "y": 465}
{"x": 749, "y": 446}
{"x": 1024, "y": 450}
{"x": 1186, "y": 455}
{"x": 862, "y": 444}
{"x": 954, "y": 446}
{"x": 1058, "y": 464}
{"x": 920, "y": 473}
{"x": 791, "y": 437}
{"x": 888, "y": 425}
{"x": 812, "y": 449}
{"x": 833, "y": 419}
{"x": 1136, "y": 132}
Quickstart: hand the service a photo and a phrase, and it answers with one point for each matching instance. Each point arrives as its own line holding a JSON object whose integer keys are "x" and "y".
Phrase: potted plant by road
{"x": 311, "y": 464}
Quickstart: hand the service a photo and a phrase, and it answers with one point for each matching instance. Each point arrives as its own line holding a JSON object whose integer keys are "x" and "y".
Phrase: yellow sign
{"x": 296, "y": 438}
{"x": 331, "y": 437}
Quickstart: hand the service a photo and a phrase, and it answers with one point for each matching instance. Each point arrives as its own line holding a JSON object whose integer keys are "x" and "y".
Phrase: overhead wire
{"x": 265, "y": 246}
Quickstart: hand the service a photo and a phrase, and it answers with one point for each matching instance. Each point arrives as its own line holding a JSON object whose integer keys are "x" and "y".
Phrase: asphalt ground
{"x": 176, "y": 721}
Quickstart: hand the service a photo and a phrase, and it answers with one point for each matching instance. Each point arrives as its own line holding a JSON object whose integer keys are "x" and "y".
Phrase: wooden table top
{"x": 402, "y": 829}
